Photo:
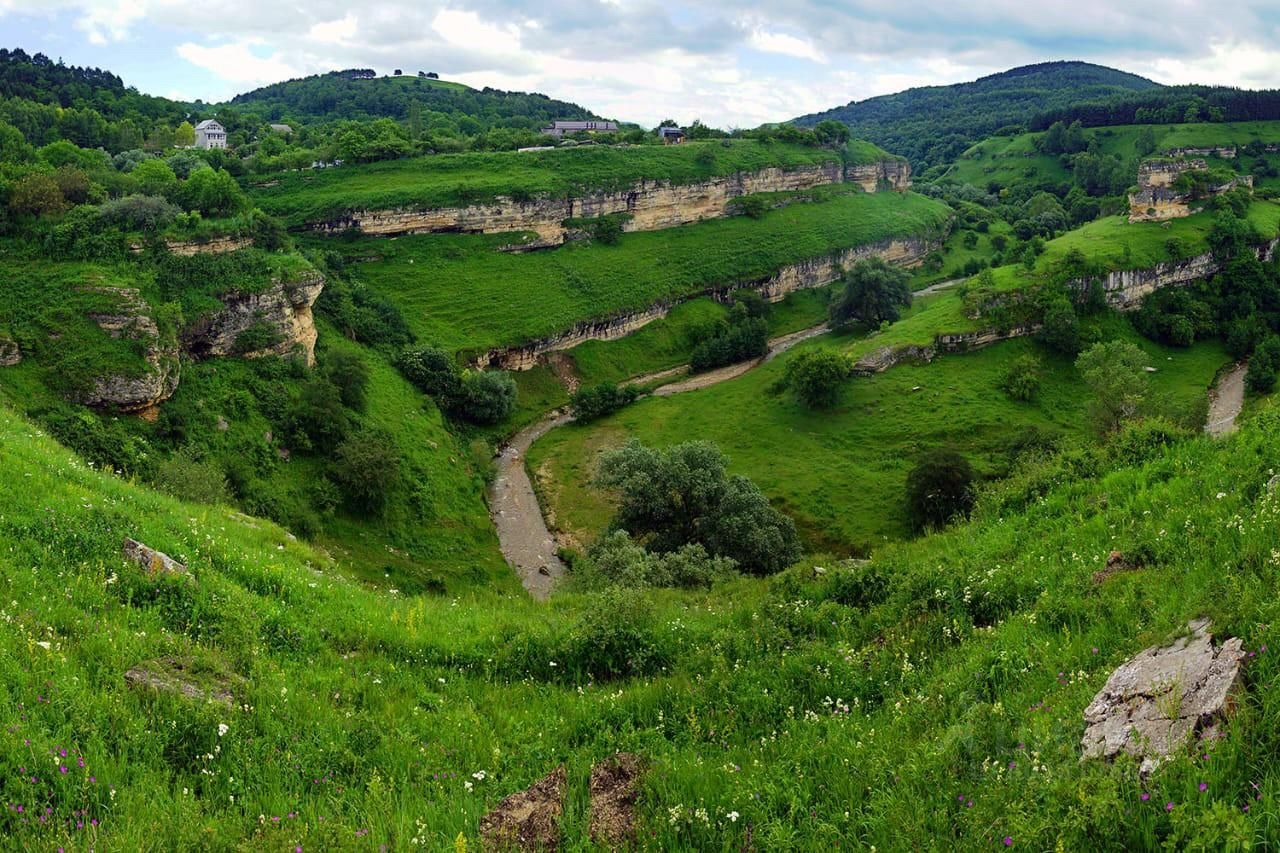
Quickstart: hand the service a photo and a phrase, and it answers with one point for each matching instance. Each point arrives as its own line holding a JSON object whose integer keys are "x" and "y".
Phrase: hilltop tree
{"x": 874, "y": 292}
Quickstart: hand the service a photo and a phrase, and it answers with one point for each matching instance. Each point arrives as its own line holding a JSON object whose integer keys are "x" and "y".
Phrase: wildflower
{"x": 1095, "y": 650}
{"x": 223, "y": 728}
{"x": 1204, "y": 786}
{"x": 733, "y": 816}
{"x": 1168, "y": 806}
{"x": 1008, "y": 841}
{"x": 1145, "y": 796}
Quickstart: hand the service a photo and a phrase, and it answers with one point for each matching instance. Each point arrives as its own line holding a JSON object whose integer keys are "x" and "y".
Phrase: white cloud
{"x": 334, "y": 32}
{"x": 468, "y": 30}
{"x": 237, "y": 63}
{"x": 784, "y": 44}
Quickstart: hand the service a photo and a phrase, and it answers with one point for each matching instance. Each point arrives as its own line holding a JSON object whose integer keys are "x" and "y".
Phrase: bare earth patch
{"x": 615, "y": 789}
{"x": 528, "y": 819}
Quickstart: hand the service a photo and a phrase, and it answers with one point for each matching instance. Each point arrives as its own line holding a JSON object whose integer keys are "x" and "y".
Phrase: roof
{"x": 670, "y": 131}
{"x": 582, "y": 125}
{"x": 284, "y": 128}
{"x": 209, "y": 124}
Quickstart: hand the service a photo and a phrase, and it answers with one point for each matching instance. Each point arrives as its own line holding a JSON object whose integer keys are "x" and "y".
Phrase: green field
{"x": 1010, "y": 160}
{"x": 451, "y": 180}
{"x": 458, "y": 292}
{"x": 841, "y": 474}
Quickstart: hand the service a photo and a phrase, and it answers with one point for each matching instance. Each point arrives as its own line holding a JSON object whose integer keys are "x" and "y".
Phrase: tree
{"x": 1264, "y": 366}
{"x": 1145, "y": 142}
{"x": 815, "y": 376}
{"x": 874, "y": 292}
{"x": 1022, "y": 380}
{"x": 184, "y": 135}
{"x": 350, "y": 375}
{"x": 939, "y": 488}
{"x": 487, "y": 396}
{"x": 213, "y": 193}
{"x": 1060, "y": 328}
{"x": 599, "y": 400}
{"x": 36, "y": 195}
{"x": 683, "y": 495}
{"x": 831, "y": 133}
{"x": 366, "y": 468}
{"x": 1116, "y": 373}
{"x": 155, "y": 177}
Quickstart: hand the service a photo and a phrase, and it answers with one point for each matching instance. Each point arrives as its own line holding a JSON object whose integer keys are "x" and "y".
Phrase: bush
{"x": 744, "y": 338}
{"x": 1116, "y": 371}
{"x": 1022, "y": 380}
{"x": 1060, "y": 328}
{"x": 1264, "y": 366}
{"x": 816, "y": 376}
{"x": 616, "y": 637}
{"x": 486, "y": 396}
{"x": 366, "y": 468}
{"x": 752, "y": 206}
{"x": 874, "y": 292}
{"x": 939, "y": 488}
{"x": 432, "y": 371}
{"x": 587, "y": 404}
{"x": 185, "y": 477}
{"x": 350, "y": 375}
{"x": 616, "y": 560}
{"x": 1138, "y": 441}
{"x": 147, "y": 213}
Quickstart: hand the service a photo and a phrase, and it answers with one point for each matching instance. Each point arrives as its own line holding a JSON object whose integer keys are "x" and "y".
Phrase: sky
{"x": 730, "y": 64}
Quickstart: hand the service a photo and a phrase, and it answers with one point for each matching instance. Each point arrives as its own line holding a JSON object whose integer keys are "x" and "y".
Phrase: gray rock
{"x": 1161, "y": 698}
{"x": 156, "y": 382}
{"x": 1273, "y": 485}
{"x": 169, "y": 675}
{"x": 9, "y": 352}
{"x": 153, "y": 562}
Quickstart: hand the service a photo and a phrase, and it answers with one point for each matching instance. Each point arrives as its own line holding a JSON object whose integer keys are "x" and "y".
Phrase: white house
{"x": 210, "y": 134}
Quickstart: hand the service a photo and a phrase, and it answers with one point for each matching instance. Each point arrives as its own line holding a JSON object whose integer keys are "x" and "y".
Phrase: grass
{"x": 457, "y": 292}
{"x": 1009, "y": 160}
{"x": 840, "y": 474}
{"x": 806, "y": 712}
{"x": 451, "y": 180}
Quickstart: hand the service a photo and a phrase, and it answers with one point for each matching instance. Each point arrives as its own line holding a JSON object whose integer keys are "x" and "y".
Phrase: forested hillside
{"x": 933, "y": 124}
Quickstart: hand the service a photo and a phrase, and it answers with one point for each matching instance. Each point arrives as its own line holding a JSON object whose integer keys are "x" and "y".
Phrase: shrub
{"x": 36, "y": 195}
{"x": 486, "y": 396}
{"x": 260, "y": 336}
{"x": 1138, "y": 441}
{"x": 939, "y": 488}
{"x": 615, "y": 637}
{"x": 1263, "y": 366}
{"x": 366, "y": 468}
{"x": 155, "y": 177}
{"x": 146, "y": 213}
{"x": 1022, "y": 380}
{"x": 597, "y": 401}
{"x": 744, "y": 338}
{"x": 184, "y": 476}
{"x": 212, "y": 193}
{"x": 1060, "y": 328}
{"x": 816, "y": 376}
{"x": 752, "y": 206}
{"x": 432, "y": 371}
{"x": 350, "y": 375}
{"x": 616, "y": 560}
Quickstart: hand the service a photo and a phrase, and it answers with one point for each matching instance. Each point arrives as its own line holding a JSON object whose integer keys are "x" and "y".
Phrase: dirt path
{"x": 935, "y": 288}
{"x": 523, "y": 536}
{"x": 1226, "y": 399}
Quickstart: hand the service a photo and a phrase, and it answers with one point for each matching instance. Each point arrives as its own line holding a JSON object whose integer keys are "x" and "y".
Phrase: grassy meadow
{"x": 935, "y": 693}
{"x": 458, "y": 292}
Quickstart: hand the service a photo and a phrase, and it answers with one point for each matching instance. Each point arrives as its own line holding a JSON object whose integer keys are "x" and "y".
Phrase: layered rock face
{"x": 283, "y": 308}
{"x": 814, "y": 272}
{"x": 882, "y": 175}
{"x": 881, "y": 359}
{"x": 652, "y": 205}
{"x": 159, "y": 378}
{"x": 1156, "y": 200}
{"x": 214, "y": 246}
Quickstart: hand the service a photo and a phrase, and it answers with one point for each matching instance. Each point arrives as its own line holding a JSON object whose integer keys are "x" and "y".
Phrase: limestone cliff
{"x": 1156, "y": 199}
{"x": 813, "y": 272}
{"x": 156, "y": 381}
{"x": 279, "y": 315}
{"x": 881, "y": 359}
{"x": 1125, "y": 289}
{"x": 650, "y": 205}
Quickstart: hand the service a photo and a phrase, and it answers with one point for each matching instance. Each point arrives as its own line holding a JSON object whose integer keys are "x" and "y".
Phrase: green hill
{"x": 934, "y": 124}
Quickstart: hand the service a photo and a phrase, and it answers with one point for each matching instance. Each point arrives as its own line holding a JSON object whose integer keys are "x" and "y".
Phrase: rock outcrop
{"x": 881, "y": 359}
{"x": 217, "y": 245}
{"x": 649, "y": 205}
{"x": 528, "y": 819}
{"x": 1157, "y": 198}
{"x": 170, "y": 675}
{"x": 9, "y": 352}
{"x": 813, "y": 272}
{"x": 140, "y": 391}
{"x": 151, "y": 561}
{"x": 281, "y": 312}
{"x": 1161, "y": 698}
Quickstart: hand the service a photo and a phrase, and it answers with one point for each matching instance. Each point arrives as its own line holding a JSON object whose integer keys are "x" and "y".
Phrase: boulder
{"x": 528, "y": 819}
{"x": 615, "y": 788}
{"x": 1164, "y": 696}
{"x": 153, "y": 562}
{"x": 9, "y": 352}
{"x": 169, "y": 675}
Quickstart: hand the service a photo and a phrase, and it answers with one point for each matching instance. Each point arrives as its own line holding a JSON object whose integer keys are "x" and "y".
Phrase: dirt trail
{"x": 523, "y": 536}
{"x": 935, "y": 288}
{"x": 1226, "y": 399}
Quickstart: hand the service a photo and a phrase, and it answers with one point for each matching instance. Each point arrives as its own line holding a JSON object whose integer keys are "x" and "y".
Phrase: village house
{"x": 210, "y": 134}
{"x": 559, "y": 129}
{"x": 282, "y": 129}
{"x": 671, "y": 135}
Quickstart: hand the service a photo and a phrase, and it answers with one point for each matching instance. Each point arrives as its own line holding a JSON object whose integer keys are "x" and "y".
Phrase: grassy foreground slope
{"x": 933, "y": 694}
{"x": 840, "y": 474}
{"x": 458, "y": 292}
{"x": 459, "y": 179}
